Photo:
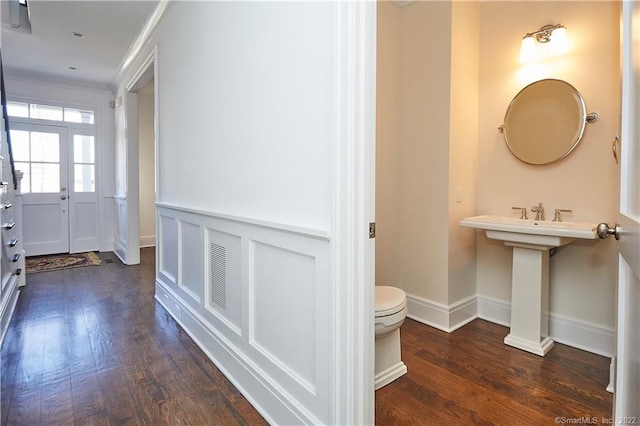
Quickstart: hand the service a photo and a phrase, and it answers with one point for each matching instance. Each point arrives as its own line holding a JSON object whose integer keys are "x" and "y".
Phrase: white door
{"x": 41, "y": 153}
{"x": 627, "y": 390}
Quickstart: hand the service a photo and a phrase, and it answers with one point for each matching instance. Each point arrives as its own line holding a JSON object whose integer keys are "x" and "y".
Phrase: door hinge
{"x": 372, "y": 230}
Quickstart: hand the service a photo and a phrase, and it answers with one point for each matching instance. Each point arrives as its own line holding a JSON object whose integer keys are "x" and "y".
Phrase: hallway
{"x": 91, "y": 346}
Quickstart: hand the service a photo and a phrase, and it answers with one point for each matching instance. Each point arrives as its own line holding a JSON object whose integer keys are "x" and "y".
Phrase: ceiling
{"x": 109, "y": 27}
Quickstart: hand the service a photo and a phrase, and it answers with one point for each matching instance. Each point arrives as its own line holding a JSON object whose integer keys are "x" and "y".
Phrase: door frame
{"x": 354, "y": 191}
{"x": 131, "y": 200}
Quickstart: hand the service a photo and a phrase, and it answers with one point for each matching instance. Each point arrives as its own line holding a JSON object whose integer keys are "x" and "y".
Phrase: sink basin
{"x": 534, "y": 232}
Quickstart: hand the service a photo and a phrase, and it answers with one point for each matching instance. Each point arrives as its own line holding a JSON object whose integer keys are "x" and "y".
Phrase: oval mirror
{"x": 544, "y": 121}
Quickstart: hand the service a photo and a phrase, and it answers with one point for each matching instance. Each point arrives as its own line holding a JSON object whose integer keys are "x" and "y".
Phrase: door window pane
{"x": 25, "y": 184}
{"x": 73, "y": 115}
{"x": 45, "y": 147}
{"x": 20, "y": 145}
{"x": 83, "y": 149}
{"x": 18, "y": 109}
{"x": 45, "y": 177}
{"x": 46, "y": 112}
{"x": 84, "y": 178}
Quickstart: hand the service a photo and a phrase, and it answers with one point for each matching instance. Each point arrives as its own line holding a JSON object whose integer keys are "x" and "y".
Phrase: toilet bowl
{"x": 391, "y": 311}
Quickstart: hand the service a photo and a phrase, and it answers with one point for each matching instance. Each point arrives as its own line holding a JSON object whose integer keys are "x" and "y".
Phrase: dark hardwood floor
{"x": 471, "y": 377}
{"x": 91, "y": 346}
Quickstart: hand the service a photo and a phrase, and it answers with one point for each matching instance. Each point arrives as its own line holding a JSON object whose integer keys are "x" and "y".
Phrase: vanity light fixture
{"x": 552, "y": 39}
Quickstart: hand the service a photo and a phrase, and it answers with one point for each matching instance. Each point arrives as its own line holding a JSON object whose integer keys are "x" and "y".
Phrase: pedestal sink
{"x": 531, "y": 241}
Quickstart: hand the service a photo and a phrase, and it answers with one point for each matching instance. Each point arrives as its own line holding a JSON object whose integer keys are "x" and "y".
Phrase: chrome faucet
{"x": 523, "y": 212}
{"x": 539, "y": 211}
{"x": 557, "y": 217}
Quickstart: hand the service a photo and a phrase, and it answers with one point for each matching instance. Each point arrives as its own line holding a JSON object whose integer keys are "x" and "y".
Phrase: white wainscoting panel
{"x": 279, "y": 329}
{"x": 253, "y": 295}
{"x": 168, "y": 256}
{"x": 191, "y": 261}
{"x": 120, "y": 231}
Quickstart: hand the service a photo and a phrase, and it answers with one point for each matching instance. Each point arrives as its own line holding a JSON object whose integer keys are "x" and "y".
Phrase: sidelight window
{"x": 84, "y": 168}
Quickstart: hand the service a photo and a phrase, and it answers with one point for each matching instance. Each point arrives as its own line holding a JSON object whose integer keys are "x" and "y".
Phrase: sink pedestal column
{"x": 530, "y": 299}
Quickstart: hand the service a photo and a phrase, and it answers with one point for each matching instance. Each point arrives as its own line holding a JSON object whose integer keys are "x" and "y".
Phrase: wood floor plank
{"x": 88, "y": 402}
{"x": 57, "y": 400}
{"x": 118, "y": 397}
{"x": 24, "y": 408}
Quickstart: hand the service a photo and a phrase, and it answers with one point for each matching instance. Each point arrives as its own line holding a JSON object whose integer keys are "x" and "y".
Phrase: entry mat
{"x": 56, "y": 262}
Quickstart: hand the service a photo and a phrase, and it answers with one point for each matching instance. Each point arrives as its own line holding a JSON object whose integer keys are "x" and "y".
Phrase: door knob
{"x": 63, "y": 197}
{"x": 604, "y": 231}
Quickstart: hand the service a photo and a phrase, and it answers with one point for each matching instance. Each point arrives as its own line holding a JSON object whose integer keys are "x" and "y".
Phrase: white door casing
{"x": 626, "y": 408}
{"x": 128, "y": 212}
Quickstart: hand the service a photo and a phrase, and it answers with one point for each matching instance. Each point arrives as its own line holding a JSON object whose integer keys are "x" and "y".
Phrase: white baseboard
{"x": 443, "y": 317}
{"x": 494, "y": 310}
{"x": 148, "y": 241}
{"x": 578, "y": 334}
{"x": 583, "y": 335}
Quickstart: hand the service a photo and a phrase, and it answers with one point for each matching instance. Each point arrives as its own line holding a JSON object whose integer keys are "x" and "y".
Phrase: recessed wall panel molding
{"x": 282, "y": 310}
{"x": 222, "y": 278}
{"x": 191, "y": 264}
{"x": 263, "y": 290}
{"x": 168, "y": 256}
{"x": 288, "y": 295}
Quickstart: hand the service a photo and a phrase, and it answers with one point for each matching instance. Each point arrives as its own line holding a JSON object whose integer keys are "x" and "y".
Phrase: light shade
{"x": 528, "y": 50}
{"x": 559, "y": 43}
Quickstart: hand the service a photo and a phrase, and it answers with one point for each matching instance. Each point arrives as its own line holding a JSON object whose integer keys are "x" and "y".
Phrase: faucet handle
{"x": 523, "y": 212}
{"x": 557, "y": 217}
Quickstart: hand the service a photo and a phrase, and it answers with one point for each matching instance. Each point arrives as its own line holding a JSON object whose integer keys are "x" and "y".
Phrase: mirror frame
{"x": 583, "y": 118}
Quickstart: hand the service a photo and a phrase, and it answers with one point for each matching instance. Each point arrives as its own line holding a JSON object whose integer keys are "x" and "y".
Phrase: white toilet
{"x": 391, "y": 310}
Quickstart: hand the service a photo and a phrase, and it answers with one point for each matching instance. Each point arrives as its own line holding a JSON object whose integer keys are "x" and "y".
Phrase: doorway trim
{"x": 128, "y": 206}
{"x": 353, "y": 256}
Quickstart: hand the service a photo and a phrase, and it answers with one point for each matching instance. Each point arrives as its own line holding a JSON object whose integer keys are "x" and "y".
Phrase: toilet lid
{"x": 389, "y": 299}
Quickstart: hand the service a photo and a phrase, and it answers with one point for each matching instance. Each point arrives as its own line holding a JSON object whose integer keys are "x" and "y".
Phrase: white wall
{"x": 583, "y": 274}
{"x": 253, "y": 104}
{"x": 274, "y": 82}
{"x": 146, "y": 166}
